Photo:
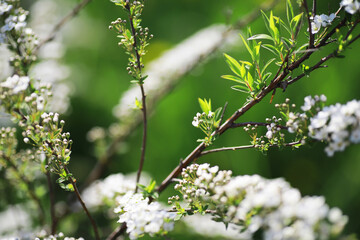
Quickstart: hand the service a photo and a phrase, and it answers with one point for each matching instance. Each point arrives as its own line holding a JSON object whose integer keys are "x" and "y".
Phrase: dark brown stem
{"x": 143, "y": 98}
{"x": 143, "y": 147}
{"x": 311, "y": 35}
{"x": 29, "y": 188}
{"x": 72, "y": 181}
{"x": 117, "y": 232}
{"x": 62, "y": 22}
{"x": 52, "y": 203}
{"x": 245, "y": 147}
{"x": 314, "y": 8}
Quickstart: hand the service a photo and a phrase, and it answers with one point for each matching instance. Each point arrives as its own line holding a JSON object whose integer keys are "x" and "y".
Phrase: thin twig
{"x": 117, "y": 232}
{"x": 311, "y": 35}
{"x": 77, "y": 193}
{"x": 62, "y": 22}
{"x": 143, "y": 98}
{"x": 52, "y": 203}
{"x": 245, "y": 147}
{"x": 29, "y": 188}
{"x": 314, "y": 8}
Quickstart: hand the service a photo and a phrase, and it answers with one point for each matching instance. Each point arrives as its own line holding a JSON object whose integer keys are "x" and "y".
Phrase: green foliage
{"x": 207, "y": 121}
{"x": 133, "y": 37}
{"x": 150, "y": 190}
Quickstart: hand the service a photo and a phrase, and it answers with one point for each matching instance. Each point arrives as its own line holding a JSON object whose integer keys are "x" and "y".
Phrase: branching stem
{"x": 77, "y": 193}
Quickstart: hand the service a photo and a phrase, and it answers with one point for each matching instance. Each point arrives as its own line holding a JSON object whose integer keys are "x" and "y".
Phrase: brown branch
{"x": 143, "y": 99}
{"x": 245, "y": 147}
{"x": 52, "y": 203}
{"x": 77, "y": 193}
{"x": 311, "y": 35}
{"x": 62, "y": 22}
{"x": 117, "y": 232}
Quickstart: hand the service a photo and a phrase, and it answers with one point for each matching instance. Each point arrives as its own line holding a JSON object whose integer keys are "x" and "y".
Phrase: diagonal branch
{"x": 62, "y": 22}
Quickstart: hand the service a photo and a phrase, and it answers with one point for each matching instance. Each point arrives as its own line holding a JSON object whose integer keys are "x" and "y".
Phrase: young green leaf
{"x": 240, "y": 88}
{"x": 205, "y": 105}
{"x": 233, "y": 78}
{"x": 289, "y": 10}
{"x": 248, "y": 48}
{"x": 233, "y": 64}
{"x": 261, "y": 36}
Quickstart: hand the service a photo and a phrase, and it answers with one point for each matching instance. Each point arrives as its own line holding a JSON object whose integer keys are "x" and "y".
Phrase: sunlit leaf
{"x": 233, "y": 64}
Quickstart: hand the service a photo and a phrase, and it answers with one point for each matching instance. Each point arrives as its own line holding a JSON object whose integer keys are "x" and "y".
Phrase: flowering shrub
{"x": 252, "y": 206}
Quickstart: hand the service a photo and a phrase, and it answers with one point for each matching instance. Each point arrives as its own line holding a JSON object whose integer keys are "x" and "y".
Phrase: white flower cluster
{"x": 297, "y": 121}
{"x": 14, "y": 24}
{"x": 199, "y": 118}
{"x": 338, "y": 124}
{"x": 322, "y": 20}
{"x": 198, "y": 179}
{"x": 142, "y": 217}
{"x": 16, "y": 84}
{"x": 351, "y": 6}
{"x": 106, "y": 190}
{"x": 270, "y": 206}
{"x": 273, "y": 129}
{"x": 42, "y": 235}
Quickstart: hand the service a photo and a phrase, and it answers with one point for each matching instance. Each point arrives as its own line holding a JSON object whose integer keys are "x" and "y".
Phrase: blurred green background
{"x": 99, "y": 76}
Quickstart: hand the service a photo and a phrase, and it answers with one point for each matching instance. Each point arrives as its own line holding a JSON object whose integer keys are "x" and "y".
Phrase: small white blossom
{"x": 351, "y": 6}
{"x": 16, "y": 83}
{"x": 322, "y": 20}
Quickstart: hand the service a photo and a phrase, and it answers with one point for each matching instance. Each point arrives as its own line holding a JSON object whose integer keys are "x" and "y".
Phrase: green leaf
{"x": 273, "y": 28}
{"x": 271, "y": 48}
{"x": 301, "y": 48}
{"x": 289, "y": 10}
{"x": 247, "y": 47}
{"x": 233, "y": 64}
{"x": 233, "y": 78}
{"x": 138, "y": 104}
{"x": 266, "y": 66}
{"x": 295, "y": 21}
{"x": 266, "y": 20}
{"x": 205, "y": 105}
{"x": 257, "y": 52}
{"x": 266, "y": 76}
{"x": 240, "y": 88}
{"x": 250, "y": 81}
{"x": 248, "y": 64}
{"x": 261, "y": 36}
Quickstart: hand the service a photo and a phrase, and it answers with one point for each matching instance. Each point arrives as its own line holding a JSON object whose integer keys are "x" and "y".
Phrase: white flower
{"x": 351, "y": 6}
{"x": 16, "y": 83}
{"x": 309, "y": 102}
{"x": 322, "y": 20}
{"x": 211, "y": 114}
{"x": 4, "y": 7}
